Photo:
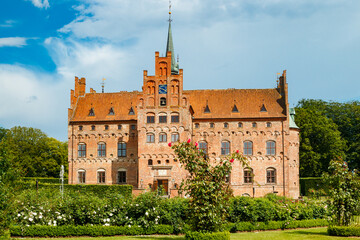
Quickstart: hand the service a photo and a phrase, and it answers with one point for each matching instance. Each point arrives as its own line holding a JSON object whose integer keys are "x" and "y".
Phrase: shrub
{"x": 207, "y": 236}
{"x": 44, "y": 180}
{"x": 345, "y": 231}
{"x": 94, "y": 231}
{"x": 315, "y": 183}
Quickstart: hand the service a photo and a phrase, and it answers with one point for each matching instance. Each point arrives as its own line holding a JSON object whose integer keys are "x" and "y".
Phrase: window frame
{"x": 101, "y": 176}
{"x": 271, "y": 175}
{"x": 248, "y": 176}
{"x": 101, "y": 149}
{"x": 150, "y": 119}
{"x": 150, "y": 137}
{"x": 122, "y": 149}
{"x": 225, "y": 150}
{"x": 246, "y": 148}
{"x": 270, "y": 148}
{"x": 175, "y": 139}
{"x": 202, "y": 148}
{"x": 82, "y": 152}
{"x": 162, "y": 119}
{"x": 81, "y": 176}
{"x": 162, "y": 137}
{"x": 121, "y": 179}
{"x": 175, "y": 118}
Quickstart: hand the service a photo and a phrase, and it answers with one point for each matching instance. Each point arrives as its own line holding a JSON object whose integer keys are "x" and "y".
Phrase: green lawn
{"x": 313, "y": 233}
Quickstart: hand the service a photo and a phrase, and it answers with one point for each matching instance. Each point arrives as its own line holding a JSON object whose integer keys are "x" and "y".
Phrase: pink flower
{"x": 196, "y": 144}
{"x": 232, "y": 160}
{"x": 169, "y": 144}
{"x": 189, "y": 140}
{"x": 237, "y": 151}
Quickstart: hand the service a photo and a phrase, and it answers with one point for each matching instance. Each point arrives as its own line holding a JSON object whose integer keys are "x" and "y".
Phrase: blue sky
{"x": 44, "y": 44}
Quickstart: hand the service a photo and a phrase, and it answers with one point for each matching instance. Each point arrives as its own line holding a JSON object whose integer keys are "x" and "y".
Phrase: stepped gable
{"x": 121, "y": 102}
{"x": 248, "y": 103}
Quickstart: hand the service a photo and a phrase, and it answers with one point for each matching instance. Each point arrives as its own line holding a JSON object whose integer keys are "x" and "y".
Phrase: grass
{"x": 303, "y": 234}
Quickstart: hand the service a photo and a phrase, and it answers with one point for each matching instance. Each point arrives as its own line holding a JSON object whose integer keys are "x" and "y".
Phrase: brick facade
{"x": 122, "y": 137}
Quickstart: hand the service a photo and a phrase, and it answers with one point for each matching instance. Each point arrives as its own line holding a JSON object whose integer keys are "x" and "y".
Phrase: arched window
{"x": 225, "y": 148}
{"x": 203, "y": 147}
{"x": 174, "y": 117}
{"x": 162, "y": 118}
{"x": 82, "y": 150}
{"x": 248, "y": 148}
{"x": 226, "y": 125}
{"x": 101, "y": 149}
{"x": 150, "y": 162}
{"x": 240, "y": 125}
{"x": 268, "y": 124}
{"x": 271, "y": 175}
{"x": 121, "y": 149}
{"x": 101, "y": 176}
{"x": 121, "y": 176}
{"x": 81, "y": 176}
{"x": 150, "y": 138}
{"x": 270, "y": 148}
{"x": 162, "y": 137}
{"x": 150, "y": 118}
{"x": 174, "y": 137}
{"x": 254, "y": 124}
{"x": 248, "y": 175}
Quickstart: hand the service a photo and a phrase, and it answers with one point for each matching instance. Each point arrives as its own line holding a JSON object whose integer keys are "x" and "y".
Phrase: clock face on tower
{"x": 162, "y": 88}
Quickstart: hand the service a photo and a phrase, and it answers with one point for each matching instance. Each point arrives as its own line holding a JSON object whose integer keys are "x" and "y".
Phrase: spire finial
{"x": 170, "y": 11}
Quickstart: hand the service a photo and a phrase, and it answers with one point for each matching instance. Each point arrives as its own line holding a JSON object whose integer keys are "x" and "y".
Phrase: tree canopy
{"x": 34, "y": 152}
{"x": 328, "y": 130}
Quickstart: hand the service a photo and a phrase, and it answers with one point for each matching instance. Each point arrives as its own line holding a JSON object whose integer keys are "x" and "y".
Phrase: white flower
{"x": 40, "y": 217}
{"x": 30, "y": 219}
{"x": 108, "y": 219}
{"x": 129, "y": 225}
{"x": 110, "y": 214}
{"x": 126, "y": 217}
{"x": 35, "y": 213}
{"x": 153, "y": 208}
{"x": 146, "y": 213}
{"x": 107, "y": 224}
{"x": 49, "y": 223}
{"x": 19, "y": 214}
{"x": 137, "y": 205}
{"x": 59, "y": 217}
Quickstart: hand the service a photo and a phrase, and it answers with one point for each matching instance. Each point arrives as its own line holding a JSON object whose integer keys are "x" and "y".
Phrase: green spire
{"x": 170, "y": 47}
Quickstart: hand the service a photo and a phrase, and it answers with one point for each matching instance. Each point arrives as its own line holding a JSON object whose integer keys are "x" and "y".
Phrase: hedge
{"x": 99, "y": 190}
{"x": 88, "y": 230}
{"x": 353, "y": 231}
{"x": 98, "y": 230}
{"x": 44, "y": 180}
{"x": 315, "y": 183}
{"x": 274, "y": 225}
{"x": 207, "y": 236}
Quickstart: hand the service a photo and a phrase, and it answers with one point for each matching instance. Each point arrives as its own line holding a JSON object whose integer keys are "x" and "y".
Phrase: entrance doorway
{"x": 162, "y": 185}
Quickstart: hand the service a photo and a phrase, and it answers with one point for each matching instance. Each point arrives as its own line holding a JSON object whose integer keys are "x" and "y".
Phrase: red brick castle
{"x": 122, "y": 137}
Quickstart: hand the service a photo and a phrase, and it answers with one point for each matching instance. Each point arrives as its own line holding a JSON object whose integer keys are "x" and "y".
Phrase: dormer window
{"x": 162, "y": 101}
{"x": 235, "y": 109}
{"x": 131, "y": 112}
{"x": 111, "y": 111}
{"x": 91, "y": 112}
{"x": 207, "y": 109}
{"x": 263, "y": 108}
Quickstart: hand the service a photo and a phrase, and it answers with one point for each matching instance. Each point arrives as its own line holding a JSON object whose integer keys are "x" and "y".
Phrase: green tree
{"x": 8, "y": 175}
{"x": 320, "y": 141}
{"x": 34, "y": 152}
{"x": 344, "y": 191}
{"x": 206, "y": 186}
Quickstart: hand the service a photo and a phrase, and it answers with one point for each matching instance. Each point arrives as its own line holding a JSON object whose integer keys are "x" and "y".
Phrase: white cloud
{"x": 8, "y": 23}
{"x": 41, "y": 3}
{"x": 12, "y": 42}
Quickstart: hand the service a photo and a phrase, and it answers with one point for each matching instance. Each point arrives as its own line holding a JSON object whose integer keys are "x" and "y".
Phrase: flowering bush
{"x": 206, "y": 186}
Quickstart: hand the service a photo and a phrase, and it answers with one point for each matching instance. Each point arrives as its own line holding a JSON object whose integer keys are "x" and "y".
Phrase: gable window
{"x": 101, "y": 149}
{"x": 212, "y": 125}
{"x": 163, "y": 119}
{"x": 101, "y": 176}
{"x": 162, "y": 101}
{"x": 268, "y": 124}
{"x": 119, "y": 127}
{"x": 197, "y": 125}
{"x": 240, "y": 125}
{"x": 80, "y": 128}
{"x": 81, "y": 176}
{"x": 248, "y": 148}
{"x": 270, "y": 148}
{"x": 106, "y": 127}
{"x": 150, "y": 138}
{"x": 174, "y": 137}
{"x": 226, "y": 125}
{"x": 225, "y": 148}
{"x": 121, "y": 149}
{"x": 91, "y": 112}
{"x": 270, "y": 175}
{"x": 203, "y": 147}
{"x": 111, "y": 111}
{"x": 82, "y": 150}
{"x": 254, "y": 124}
{"x": 248, "y": 175}
{"x": 121, "y": 176}
{"x": 175, "y": 118}
{"x": 93, "y": 127}
{"x": 162, "y": 137}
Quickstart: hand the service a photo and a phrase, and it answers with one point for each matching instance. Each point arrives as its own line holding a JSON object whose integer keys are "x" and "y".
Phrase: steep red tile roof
{"x": 121, "y": 102}
{"x": 248, "y": 103}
